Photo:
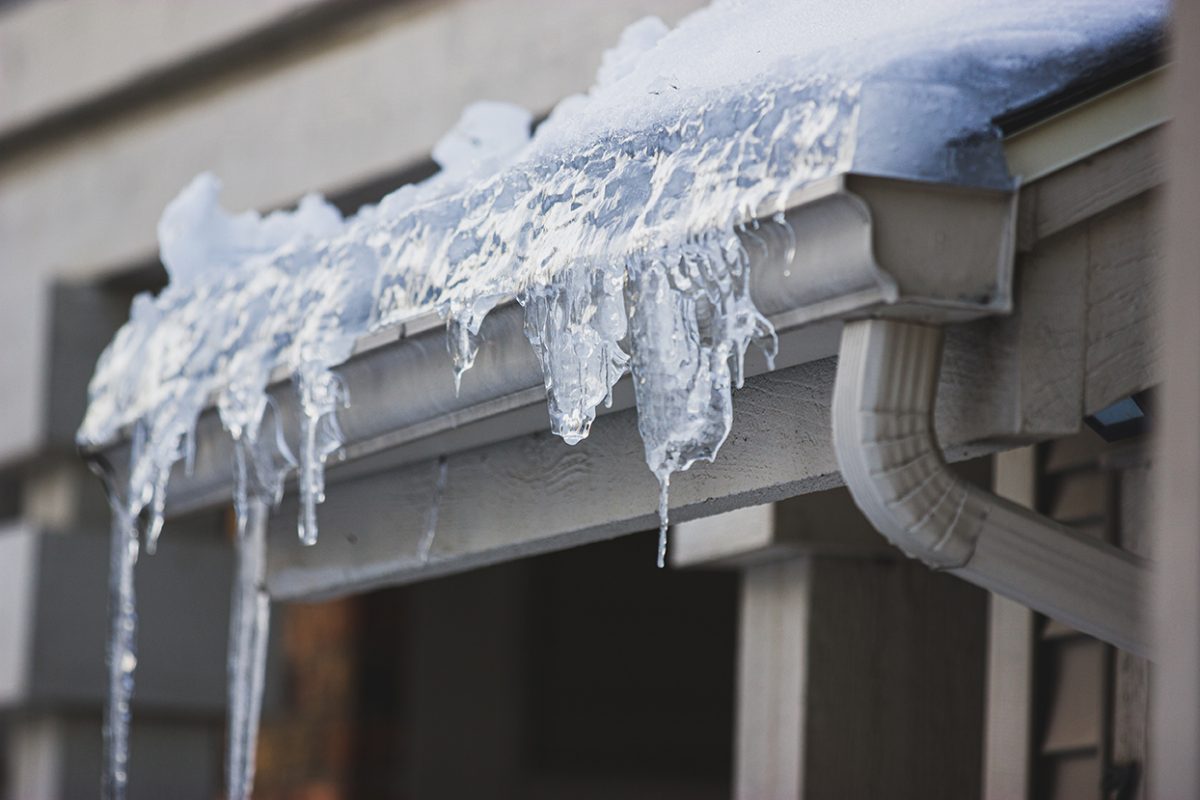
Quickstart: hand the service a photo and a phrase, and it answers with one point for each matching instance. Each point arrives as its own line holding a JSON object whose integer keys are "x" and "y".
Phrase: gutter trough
{"x": 861, "y": 246}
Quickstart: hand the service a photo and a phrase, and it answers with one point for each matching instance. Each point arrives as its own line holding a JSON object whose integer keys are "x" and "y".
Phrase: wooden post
{"x": 1176, "y": 689}
{"x": 772, "y": 676}
{"x": 860, "y": 673}
{"x": 1010, "y": 658}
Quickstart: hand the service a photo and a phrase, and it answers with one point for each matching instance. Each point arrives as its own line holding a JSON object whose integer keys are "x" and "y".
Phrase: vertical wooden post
{"x": 860, "y": 672}
{"x": 1007, "y": 730}
{"x": 1176, "y": 691}
{"x": 772, "y": 676}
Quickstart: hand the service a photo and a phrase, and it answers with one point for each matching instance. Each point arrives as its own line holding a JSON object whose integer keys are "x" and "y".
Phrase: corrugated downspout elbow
{"x": 883, "y": 435}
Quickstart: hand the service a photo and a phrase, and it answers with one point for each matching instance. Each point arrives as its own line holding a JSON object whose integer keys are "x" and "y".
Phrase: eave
{"x": 866, "y": 246}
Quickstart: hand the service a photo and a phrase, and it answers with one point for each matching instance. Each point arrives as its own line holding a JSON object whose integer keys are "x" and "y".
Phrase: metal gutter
{"x": 863, "y": 246}
{"x": 511, "y": 490}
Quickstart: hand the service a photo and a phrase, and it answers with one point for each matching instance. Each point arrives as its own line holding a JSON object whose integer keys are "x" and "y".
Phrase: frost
{"x": 616, "y": 227}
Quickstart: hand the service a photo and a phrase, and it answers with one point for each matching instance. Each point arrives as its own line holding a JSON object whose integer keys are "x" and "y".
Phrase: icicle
{"x": 439, "y": 486}
{"x": 156, "y": 508}
{"x": 463, "y": 346}
{"x": 575, "y": 325}
{"x": 241, "y": 502}
{"x": 270, "y": 456}
{"x": 189, "y": 453}
{"x": 321, "y": 392}
{"x": 122, "y": 652}
{"x": 789, "y": 252}
{"x": 690, "y": 321}
{"x": 312, "y": 481}
{"x": 249, "y": 623}
{"x": 464, "y": 320}
{"x": 664, "y": 488}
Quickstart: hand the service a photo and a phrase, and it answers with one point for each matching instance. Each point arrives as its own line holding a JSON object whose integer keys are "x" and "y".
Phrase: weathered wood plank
{"x": 1131, "y": 675}
{"x": 1025, "y": 370}
{"x": 1051, "y": 312}
{"x": 1124, "y": 344}
{"x": 1090, "y": 187}
{"x": 894, "y": 706}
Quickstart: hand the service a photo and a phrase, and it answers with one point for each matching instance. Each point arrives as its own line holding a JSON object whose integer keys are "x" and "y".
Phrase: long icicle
{"x": 122, "y": 653}
{"x": 249, "y": 622}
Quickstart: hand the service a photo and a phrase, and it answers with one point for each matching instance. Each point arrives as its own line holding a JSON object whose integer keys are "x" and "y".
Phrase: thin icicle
{"x": 156, "y": 509}
{"x": 312, "y": 482}
{"x": 241, "y": 498}
{"x": 249, "y": 624}
{"x": 321, "y": 392}
{"x": 664, "y": 488}
{"x": 122, "y": 652}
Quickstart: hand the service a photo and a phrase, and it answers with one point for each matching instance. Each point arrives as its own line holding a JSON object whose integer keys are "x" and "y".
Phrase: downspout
{"x": 883, "y": 402}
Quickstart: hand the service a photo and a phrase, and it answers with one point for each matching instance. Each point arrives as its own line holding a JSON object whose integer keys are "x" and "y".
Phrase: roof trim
{"x": 1076, "y": 133}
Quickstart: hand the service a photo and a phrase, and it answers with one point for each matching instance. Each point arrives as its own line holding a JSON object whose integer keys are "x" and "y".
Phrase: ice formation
{"x": 615, "y": 226}
{"x": 122, "y": 651}
{"x": 249, "y": 622}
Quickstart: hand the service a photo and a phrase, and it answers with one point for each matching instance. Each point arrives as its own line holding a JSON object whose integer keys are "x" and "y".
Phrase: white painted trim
{"x": 1073, "y": 135}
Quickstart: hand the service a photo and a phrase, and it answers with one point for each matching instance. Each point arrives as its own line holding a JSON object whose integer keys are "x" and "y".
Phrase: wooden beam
{"x": 818, "y": 524}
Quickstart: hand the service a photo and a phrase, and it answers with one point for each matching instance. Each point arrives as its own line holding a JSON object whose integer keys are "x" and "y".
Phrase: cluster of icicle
{"x": 616, "y": 227}
{"x": 624, "y": 255}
